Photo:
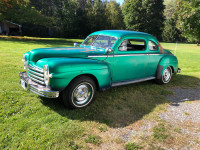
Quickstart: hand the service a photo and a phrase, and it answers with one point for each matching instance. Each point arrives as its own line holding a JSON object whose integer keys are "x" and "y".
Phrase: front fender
{"x": 64, "y": 70}
{"x": 61, "y": 80}
{"x": 166, "y": 61}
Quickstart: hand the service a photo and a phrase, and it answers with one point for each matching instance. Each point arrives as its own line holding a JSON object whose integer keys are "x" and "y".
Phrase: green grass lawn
{"x": 28, "y": 121}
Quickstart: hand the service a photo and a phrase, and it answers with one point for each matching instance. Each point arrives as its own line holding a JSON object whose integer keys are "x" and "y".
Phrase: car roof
{"x": 121, "y": 33}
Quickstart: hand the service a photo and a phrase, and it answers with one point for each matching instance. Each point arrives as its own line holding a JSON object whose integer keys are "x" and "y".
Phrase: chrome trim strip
{"x": 130, "y": 82}
{"x": 36, "y": 73}
{"x": 38, "y": 81}
{"x": 121, "y": 55}
{"x": 130, "y": 55}
{"x": 154, "y": 54}
{"x": 36, "y": 69}
{"x": 34, "y": 76}
{"x": 100, "y": 56}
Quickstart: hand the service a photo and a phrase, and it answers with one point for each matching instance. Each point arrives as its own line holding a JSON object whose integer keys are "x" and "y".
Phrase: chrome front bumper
{"x": 29, "y": 85}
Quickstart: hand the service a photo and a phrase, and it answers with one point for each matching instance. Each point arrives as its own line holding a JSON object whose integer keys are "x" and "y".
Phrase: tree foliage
{"x": 133, "y": 14}
{"x": 68, "y": 18}
{"x": 78, "y": 18}
{"x": 154, "y": 17}
{"x": 114, "y": 16}
{"x": 170, "y": 32}
{"x": 146, "y": 16}
{"x": 97, "y": 16}
{"x": 20, "y": 12}
{"x": 170, "y": 8}
{"x": 188, "y": 14}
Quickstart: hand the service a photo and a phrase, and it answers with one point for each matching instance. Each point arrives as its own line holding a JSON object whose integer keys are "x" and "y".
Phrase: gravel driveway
{"x": 185, "y": 106}
{"x": 184, "y": 113}
{"x": 183, "y": 122}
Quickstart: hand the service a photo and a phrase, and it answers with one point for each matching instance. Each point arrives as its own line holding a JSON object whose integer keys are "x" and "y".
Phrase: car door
{"x": 130, "y": 59}
{"x": 154, "y": 58}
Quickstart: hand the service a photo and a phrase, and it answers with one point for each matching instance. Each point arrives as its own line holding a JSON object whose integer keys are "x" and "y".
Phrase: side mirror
{"x": 109, "y": 50}
{"x": 76, "y": 44}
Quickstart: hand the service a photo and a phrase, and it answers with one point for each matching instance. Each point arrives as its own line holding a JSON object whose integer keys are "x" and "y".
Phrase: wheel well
{"x": 172, "y": 69}
{"x": 90, "y": 76}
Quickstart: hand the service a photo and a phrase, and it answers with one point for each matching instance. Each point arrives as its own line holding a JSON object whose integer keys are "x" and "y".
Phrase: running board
{"x": 131, "y": 81}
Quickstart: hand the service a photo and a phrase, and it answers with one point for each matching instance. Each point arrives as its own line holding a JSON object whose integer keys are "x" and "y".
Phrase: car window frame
{"x": 155, "y": 44}
{"x": 135, "y": 51}
{"x": 83, "y": 45}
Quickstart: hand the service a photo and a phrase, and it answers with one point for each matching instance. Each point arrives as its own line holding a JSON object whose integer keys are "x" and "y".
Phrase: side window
{"x": 132, "y": 45}
{"x": 152, "y": 46}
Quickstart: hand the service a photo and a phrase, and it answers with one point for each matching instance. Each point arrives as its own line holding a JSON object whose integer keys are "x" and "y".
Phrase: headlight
{"x": 46, "y": 74}
{"x": 25, "y": 62}
{"x": 24, "y": 58}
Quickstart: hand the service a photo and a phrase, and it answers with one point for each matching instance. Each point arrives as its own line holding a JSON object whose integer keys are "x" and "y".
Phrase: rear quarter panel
{"x": 169, "y": 60}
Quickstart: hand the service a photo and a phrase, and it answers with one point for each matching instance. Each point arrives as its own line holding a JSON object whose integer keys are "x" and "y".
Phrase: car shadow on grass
{"x": 121, "y": 106}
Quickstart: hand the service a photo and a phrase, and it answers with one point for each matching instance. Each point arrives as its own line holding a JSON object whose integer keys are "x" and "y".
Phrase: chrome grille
{"x": 36, "y": 74}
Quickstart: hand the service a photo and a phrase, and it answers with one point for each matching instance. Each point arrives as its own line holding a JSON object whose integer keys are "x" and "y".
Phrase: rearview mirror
{"x": 109, "y": 50}
{"x": 76, "y": 44}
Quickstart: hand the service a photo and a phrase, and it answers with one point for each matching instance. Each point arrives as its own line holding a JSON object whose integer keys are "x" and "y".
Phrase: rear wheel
{"x": 166, "y": 76}
{"x": 80, "y": 92}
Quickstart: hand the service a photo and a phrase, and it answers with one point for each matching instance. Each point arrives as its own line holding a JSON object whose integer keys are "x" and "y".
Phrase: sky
{"x": 120, "y": 1}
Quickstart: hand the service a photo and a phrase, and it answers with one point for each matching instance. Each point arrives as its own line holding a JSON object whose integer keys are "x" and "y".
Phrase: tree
{"x": 170, "y": 32}
{"x": 20, "y": 12}
{"x": 8, "y": 7}
{"x": 188, "y": 14}
{"x": 170, "y": 8}
{"x": 153, "y": 17}
{"x": 95, "y": 14}
{"x": 114, "y": 16}
{"x": 69, "y": 22}
{"x": 146, "y": 16}
{"x": 133, "y": 14}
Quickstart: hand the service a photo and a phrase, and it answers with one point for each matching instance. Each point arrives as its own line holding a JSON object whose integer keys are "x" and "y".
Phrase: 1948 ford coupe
{"x": 105, "y": 59}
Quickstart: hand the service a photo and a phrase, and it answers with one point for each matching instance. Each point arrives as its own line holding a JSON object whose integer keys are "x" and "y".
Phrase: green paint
{"x": 66, "y": 63}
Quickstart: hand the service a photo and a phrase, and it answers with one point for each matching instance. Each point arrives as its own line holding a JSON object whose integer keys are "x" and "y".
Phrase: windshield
{"x": 102, "y": 41}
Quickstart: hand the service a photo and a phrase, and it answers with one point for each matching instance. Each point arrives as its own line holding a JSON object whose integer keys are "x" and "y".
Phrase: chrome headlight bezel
{"x": 25, "y": 63}
{"x": 24, "y": 58}
{"x": 46, "y": 74}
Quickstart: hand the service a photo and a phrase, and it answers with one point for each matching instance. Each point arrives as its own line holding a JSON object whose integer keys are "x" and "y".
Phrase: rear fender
{"x": 167, "y": 61}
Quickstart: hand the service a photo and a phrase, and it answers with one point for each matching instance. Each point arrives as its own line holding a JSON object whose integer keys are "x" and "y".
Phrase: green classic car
{"x": 105, "y": 59}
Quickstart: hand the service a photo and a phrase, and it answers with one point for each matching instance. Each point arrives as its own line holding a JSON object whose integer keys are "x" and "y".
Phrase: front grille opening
{"x": 36, "y": 74}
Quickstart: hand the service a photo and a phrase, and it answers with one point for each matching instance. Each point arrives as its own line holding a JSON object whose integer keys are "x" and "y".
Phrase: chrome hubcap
{"x": 82, "y": 93}
{"x": 166, "y": 75}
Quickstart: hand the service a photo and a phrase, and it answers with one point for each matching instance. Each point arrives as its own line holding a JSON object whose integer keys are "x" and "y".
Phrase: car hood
{"x": 77, "y": 52}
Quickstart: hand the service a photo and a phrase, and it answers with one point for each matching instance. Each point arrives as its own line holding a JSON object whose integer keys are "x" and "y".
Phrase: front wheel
{"x": 80, "y": 92}
{"x": 166, "y": 76}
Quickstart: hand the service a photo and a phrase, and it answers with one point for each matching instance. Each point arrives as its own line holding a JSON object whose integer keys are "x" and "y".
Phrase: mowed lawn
{"x": 28, "y": 121}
